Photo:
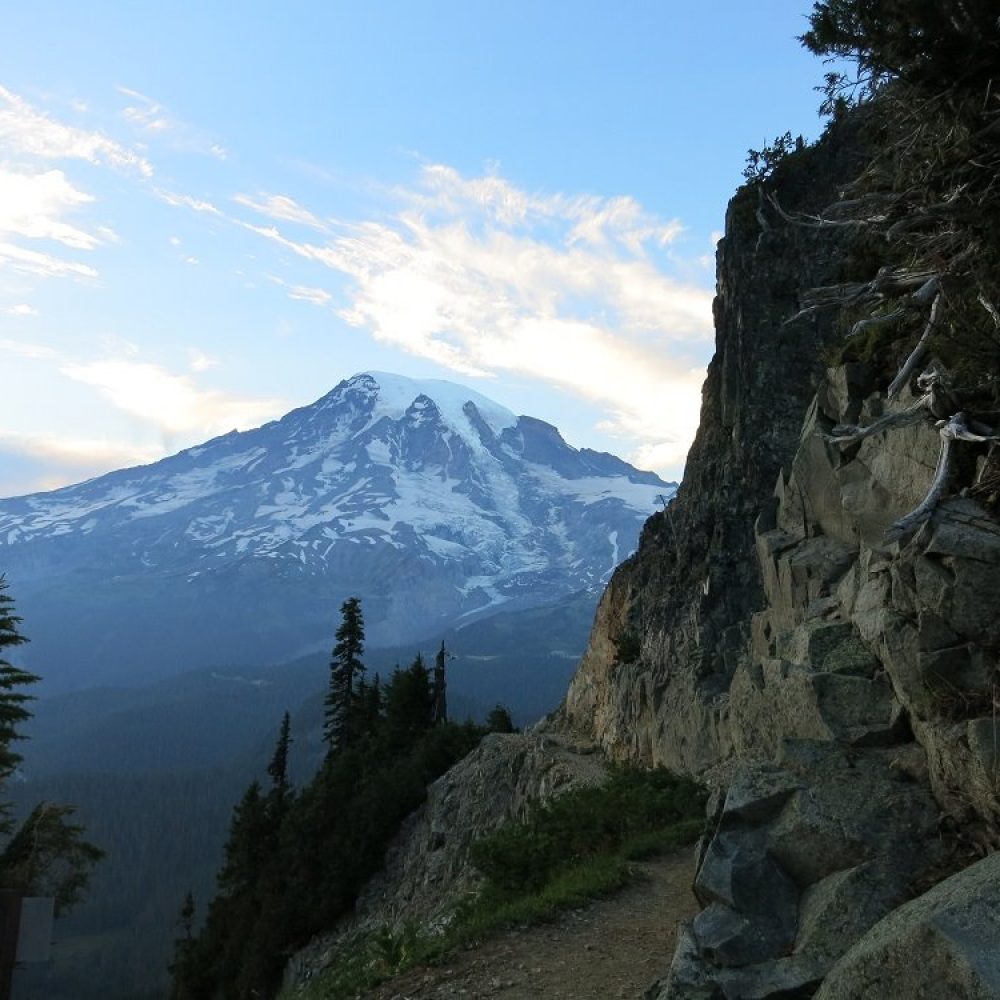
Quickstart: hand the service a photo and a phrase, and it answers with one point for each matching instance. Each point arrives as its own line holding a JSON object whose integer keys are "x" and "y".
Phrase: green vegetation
{"x": 761, "y": 163}
{"x": 628, "y": 646}
{"x": 918, "y": 41}
{"x": 296, "y": 859}
{"x": 47, "y": 854}
{"x": 562, "y": 855}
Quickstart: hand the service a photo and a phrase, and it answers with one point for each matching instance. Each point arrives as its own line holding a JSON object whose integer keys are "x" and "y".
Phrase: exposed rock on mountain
{"x": 429, "y": 501}
{"x": 777, "y": 634}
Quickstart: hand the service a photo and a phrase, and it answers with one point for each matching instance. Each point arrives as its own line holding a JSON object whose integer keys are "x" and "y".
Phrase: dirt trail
{"x": 614, "y": 948}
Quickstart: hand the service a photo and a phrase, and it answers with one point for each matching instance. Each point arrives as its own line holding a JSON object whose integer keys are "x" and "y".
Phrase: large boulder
{"x": 945, "y": 943}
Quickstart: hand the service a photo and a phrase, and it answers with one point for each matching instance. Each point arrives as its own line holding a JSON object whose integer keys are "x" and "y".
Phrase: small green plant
{"x": 499, "y": 720}
{"x": 628, "y": 646}
{"x": 761, "y": 163}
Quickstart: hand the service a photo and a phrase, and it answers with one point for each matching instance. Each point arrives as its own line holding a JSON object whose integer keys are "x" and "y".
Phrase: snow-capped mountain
{"x": 427, "y": 499}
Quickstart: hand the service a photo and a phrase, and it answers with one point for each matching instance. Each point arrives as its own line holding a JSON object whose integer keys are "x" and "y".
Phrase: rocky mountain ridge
{"x": 428, "y": 500}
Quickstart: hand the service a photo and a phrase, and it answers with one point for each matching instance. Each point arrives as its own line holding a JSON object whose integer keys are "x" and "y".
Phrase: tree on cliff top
{"x": 923, "y": 42}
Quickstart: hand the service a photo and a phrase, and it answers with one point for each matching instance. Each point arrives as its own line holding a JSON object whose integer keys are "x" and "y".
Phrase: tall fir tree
{"x": 47, "y": 854}
{"x": 13, "y": 700}
{"x": 278, "y": 768}
{"x": 440, "y": 686}
{"x": 346, "y": 673}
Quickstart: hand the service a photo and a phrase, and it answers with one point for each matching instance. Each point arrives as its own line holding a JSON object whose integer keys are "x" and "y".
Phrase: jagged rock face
{"x": 427, "y": 869}
{"x": 691, "y": 587}
{"x": 916, "y": 619}
{"x": 840, "y": 684}
{"x": 429, "y": 501}
{"x": 863, "y": 684}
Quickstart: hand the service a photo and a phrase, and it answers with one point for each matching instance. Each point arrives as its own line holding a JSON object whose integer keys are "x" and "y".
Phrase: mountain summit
{"x": 427, "y": 499}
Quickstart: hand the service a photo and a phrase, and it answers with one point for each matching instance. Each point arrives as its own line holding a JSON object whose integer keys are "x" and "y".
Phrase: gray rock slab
{"x": 944, "y": 944}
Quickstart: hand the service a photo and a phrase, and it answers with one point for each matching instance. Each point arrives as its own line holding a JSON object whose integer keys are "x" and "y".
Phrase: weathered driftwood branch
{"x": 851, "y": 433}
{"x": 991, "y": 309}
{"x": 824, "y": 221}
{"x": 905, "y": 373}
{"x": 955, "y": 429}
{"x": 871, "y": 322}
{"x": 889, "y": 281}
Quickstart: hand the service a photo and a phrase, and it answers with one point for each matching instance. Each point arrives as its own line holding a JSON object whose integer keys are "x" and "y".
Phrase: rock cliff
{"x": 833, "y": 679}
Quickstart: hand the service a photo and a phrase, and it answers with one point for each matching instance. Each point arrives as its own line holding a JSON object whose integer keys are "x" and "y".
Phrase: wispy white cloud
{"x": 484, "y": 278}
{"x": 26, "y": 130}
{"x": 32, "y": 207}
{"x": 41, "y": 264}
{"x": 145, "y": 113}
{"x": 26, "y": 349}
{"x": 173, "y": 403}
{"x": 303, "y": 293}
{"x": 186, "y": 201}
{"x": 200, "y": 361}
{"x": 281, "y": 208}
{"x": 48, "y": 462}
{"x": 79, "y": 452}
{"x": 21, "y": 309}
{"x": 151, "y": 117}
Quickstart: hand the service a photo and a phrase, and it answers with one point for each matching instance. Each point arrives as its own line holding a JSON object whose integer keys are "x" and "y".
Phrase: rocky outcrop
{"x": 943, "y": 944}
{"x": 861, "y": 691}
{"x": 427, "y": 868}
{"x": 835, "y": 681}
{"x": 796, "y": 870}
{"x": 689, "y": 591}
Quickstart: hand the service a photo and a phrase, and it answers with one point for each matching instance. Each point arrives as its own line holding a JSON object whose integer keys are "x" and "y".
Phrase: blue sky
{"x": 211, "y": 213}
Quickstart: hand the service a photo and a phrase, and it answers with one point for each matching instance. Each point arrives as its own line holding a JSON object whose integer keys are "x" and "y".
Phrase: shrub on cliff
{"x": 583, "y": 823}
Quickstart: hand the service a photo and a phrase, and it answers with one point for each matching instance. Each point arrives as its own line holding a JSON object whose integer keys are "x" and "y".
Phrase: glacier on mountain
{"x": 428, "y": 500}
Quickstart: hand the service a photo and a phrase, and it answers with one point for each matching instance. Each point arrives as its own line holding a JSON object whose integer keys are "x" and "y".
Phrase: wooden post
{"x": 10, "y": 925}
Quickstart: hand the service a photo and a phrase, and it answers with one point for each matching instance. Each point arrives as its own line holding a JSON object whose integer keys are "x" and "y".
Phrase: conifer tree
{"x": 409, "y": 705}
{"x": 47, "y": 854}
{"x": 247, "y": 845}
{"x": 278, "y": 768}
{"x": 440, "y": 687}
{"x": 12, "y": 698}
{"x": 346, "y": 673}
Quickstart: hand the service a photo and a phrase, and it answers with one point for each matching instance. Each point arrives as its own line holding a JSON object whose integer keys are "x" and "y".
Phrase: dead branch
{"x": 871, "y": 322}
{"x": 955, "y": 429}
{"x": 844, "y": 434}
{"x": 821, "y": 222}
{"x": 917, "y": 354}
{"x": 990, "y": 308}
{"x": 927, "y": 291}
